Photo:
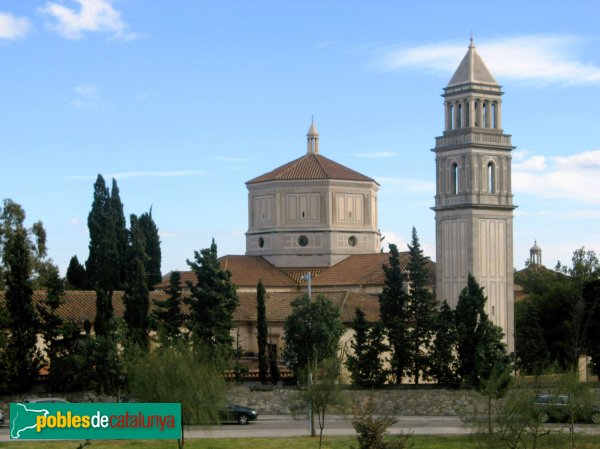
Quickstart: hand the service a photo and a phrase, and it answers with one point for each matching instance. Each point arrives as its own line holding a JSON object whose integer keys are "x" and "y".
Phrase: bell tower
{"x": 473, "y": 201}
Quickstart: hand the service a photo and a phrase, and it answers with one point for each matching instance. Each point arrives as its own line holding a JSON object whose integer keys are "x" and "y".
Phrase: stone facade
{"x": 311, "y": 212}
{"x": 473, "y": 202}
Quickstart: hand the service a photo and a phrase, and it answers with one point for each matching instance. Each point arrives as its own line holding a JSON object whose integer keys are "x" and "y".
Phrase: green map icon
{"x": 23, "y": 418}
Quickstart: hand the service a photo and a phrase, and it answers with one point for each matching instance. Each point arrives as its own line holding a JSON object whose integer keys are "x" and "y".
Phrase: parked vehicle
{"x": 558, "y": 408}
{"x": 46, "y": 400}
{"x": 238, "y": 413}
{"x": 1, "y": 417}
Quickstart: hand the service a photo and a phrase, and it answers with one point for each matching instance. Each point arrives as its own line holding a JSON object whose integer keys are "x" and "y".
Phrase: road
{"x": 285, "y": 426}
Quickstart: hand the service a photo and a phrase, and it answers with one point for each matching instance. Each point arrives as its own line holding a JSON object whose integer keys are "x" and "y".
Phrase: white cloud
{"x": 566, "y": 177}
{"x": 376, "y": 155}
{"x": 93, "y": 16}
{"x": 532, "y": 163}
{"x": 396, "y": 239}
{"x": 545, "y": 59}
{"x": 145, "y": 174}
{"x": 12, "y": 28}
{"x": 86, "y": 97}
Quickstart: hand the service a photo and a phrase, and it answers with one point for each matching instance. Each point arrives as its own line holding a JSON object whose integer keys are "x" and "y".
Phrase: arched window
{"x": 451, "y": 112}
{"x": 467, "y": 115}
{"x": 455, "y": 178}
{"x": 494, "y": 124}
{"x": 476, "y": 112}
{"x": 491, "y": 177}
{"x": 485, "y": 115}
{"x": 459, "y": 112}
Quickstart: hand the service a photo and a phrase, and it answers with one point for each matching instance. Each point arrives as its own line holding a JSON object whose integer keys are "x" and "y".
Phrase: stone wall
{"x": 396, "y": 401}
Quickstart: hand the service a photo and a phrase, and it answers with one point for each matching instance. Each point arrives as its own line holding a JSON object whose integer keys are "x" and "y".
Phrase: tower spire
{"x": 312, "y": 138}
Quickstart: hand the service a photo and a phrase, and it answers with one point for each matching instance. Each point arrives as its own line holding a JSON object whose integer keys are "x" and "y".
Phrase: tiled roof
{"x": 278, "y": 305}
{"x": 311, "y": 166}
{"x": 355, "y": 270}
{"x": 246, "y": 271}
{"x": 79, "y": 306}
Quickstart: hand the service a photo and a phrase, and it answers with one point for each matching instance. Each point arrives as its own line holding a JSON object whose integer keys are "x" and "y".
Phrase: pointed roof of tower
{"x": 472, "y": 70}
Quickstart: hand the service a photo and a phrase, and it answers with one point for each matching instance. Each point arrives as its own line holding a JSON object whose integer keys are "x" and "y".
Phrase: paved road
{"x": 285, "y": 426}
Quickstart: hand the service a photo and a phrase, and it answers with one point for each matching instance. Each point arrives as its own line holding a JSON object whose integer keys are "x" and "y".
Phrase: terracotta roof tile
{"x": 311, "y": 166}
{"x": 358, "y": 269}
{"x": 278, "y": 305}
{"x": 246, "y": 271}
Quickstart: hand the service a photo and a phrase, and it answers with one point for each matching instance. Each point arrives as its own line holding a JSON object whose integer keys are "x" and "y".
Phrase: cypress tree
{"x": 366, "y": 364}
{"x": 51, "y": 322}
{"x": 392, "y": 305}
{"x": 530, "y": 347}
{"x": 103, "y": 264}
{"x": 152, "y": 244}
{"x": 480, "y": 348}
{"x": 467, "y": 313}
{"x": 76, "y": 276}
{"x": 22, "y": 352}
{"x": 121, "y": 236}
{"x": 443, "y": 359}
{"x": 212, "y": 300}
{"x": 262, "y": 331}
{"x": 167, "y": 314}
{"x": 421, "y": 311}
{"x": 136, "y": 288}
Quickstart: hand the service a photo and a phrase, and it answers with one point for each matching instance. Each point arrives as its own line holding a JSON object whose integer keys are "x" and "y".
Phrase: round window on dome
{"x": 303, "y": 240}
{"x": 261, "y": 242}
{"x": 352, "y": 240}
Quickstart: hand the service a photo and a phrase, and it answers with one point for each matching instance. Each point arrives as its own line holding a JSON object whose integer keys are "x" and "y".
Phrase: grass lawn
{"x": 419, "y": 442}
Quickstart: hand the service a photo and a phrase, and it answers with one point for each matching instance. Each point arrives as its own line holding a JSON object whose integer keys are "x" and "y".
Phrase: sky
{"x": 184, "y": 101}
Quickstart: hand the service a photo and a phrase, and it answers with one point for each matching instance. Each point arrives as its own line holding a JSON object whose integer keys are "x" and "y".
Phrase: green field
{"x": 419, "y": 442}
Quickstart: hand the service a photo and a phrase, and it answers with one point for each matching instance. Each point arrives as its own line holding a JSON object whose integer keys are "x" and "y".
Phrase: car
{"x": 46, "y": 401}
{"x": 1, "y": 417}
{"x": 556, "y": 407}
{"x": 237, "y": 413}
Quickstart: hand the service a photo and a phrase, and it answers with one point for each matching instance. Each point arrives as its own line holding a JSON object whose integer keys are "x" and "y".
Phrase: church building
{"x": 312, "y": 224}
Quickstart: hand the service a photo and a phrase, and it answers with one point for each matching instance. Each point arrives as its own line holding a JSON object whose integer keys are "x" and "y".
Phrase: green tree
{"x": 6, "y": 367}
{"x": 136, "y": 299}
{"x": 51, "y": 322}
{"x": 530, "y": 346}
{"x": 76, "y": 276}
{"x": 12, "y": 217}
{"x": 393, "y": 302}
{"x": 106, "y": 360}
{"x": 421, "y": 312}
{"x": 365, "y": 363}
{"x": 312, "y": 332}
{"x": 22, "y": 352}
{"x": 121, "y": 236}
{"x": 190, "y": 375}
{"x": 167, "y": 314}
{"x": 443, "y": 363}
{"x": 153, "y": 251}
{"x": 591, "y": 296}
{"x": 103, "y": 266}
{"x": 468, "y": 314}
{"x": 323, "y": 390}
{"x": 212, "y": 300}
{"x": 273, "y": 368}
{"x": 262, "y": 332}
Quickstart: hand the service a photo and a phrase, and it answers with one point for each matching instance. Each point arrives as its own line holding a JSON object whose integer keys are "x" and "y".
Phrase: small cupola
{"x": 312, "y": 139}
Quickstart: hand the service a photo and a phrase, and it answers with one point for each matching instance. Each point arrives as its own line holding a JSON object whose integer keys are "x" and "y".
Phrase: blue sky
{"x": 184, "y": 101}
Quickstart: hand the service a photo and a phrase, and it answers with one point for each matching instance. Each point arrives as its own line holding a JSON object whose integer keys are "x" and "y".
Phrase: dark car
{"x": 238, "y": 414}
{"x": 553, "y": 407}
